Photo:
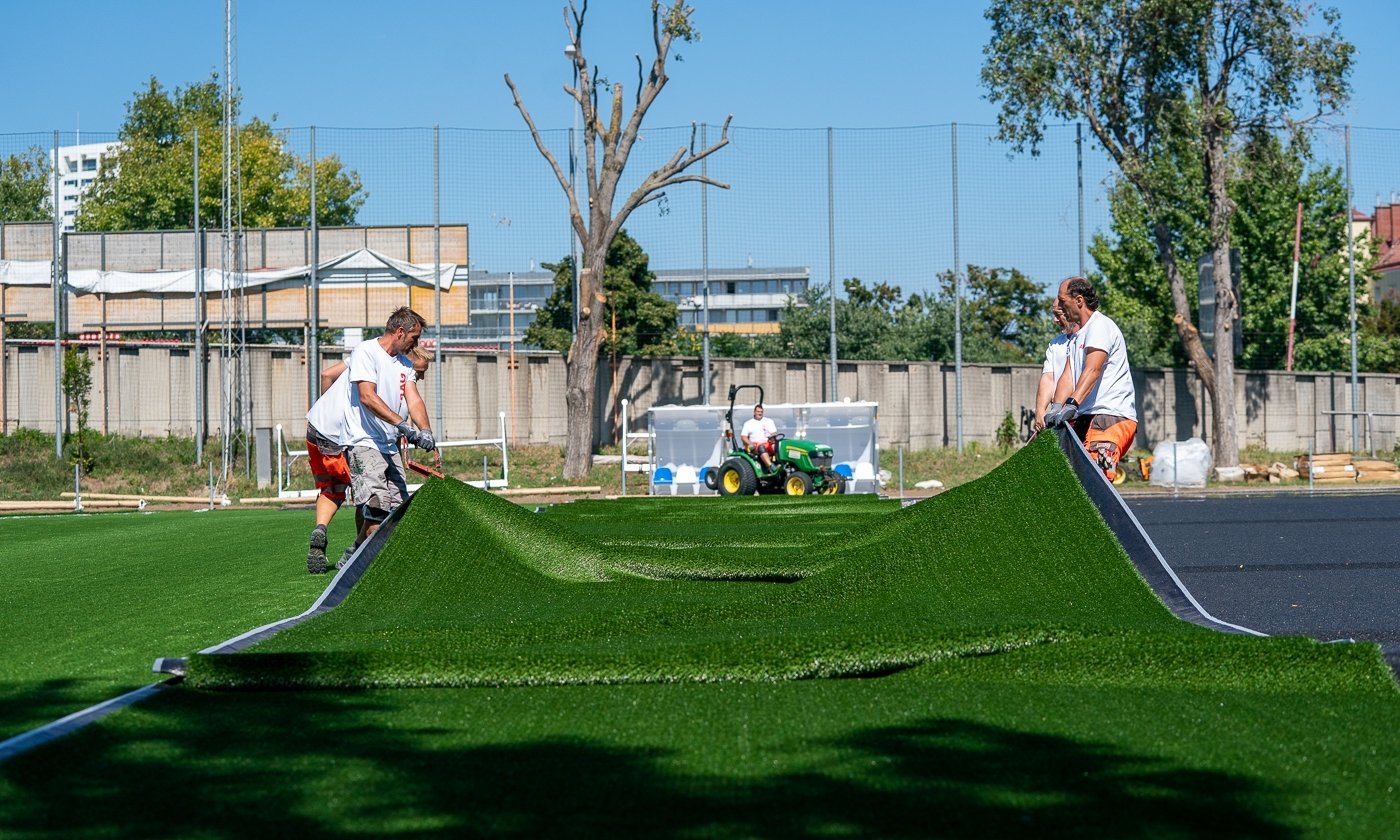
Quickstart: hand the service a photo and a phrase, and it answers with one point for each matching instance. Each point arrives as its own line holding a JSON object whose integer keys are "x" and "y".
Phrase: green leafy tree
{"x": 1005, "y": 319}
{"x": 864, "y": 320}
{"x": 24, "y": 187}
{"x": 922, "y": 330}
{"x": 1145, "y": 74}
{"x": 1005, "y": 315}
{"x": 77, "y": 389}
{"x": 146, "y": 183}
{"x": 647, "y": 323}
{"x": 1270, "y": 180}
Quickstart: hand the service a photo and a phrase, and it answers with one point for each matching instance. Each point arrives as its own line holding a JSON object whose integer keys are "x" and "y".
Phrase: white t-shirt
{"x": 1113, "y": 393}
{"x": 758, "y": 431}
{"x": 390, "y": 375}
{"x": 1056, "y": 354}
{"x": 327, "y": 414}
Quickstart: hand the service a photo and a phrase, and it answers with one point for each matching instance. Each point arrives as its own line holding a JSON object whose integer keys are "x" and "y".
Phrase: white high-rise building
{"x": 77, "y": 169}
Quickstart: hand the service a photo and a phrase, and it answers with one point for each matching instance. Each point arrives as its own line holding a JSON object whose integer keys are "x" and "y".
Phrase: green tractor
{"x": 799, "y": 467}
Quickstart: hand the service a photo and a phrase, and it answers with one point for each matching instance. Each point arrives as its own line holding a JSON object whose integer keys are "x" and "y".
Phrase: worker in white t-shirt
{"x": 383, "y": 396}
{"x": 327, "y": 457}
{"x": 756, "y": 432}
{"x": 1056, "y": 356}
{"x": 1096, "y": 387}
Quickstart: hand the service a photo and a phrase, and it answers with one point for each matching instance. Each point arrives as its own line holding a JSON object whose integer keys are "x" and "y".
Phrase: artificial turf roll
{"x": 473, "y": 590}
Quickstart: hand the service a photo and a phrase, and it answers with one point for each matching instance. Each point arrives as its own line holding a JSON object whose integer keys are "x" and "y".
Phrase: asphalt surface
{"x": 1325, "y": 566}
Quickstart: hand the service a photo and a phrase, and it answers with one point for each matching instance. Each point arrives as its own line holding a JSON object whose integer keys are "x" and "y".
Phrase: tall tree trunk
{"x": 581, "y": 372}
{"x": 1225, "y": 443}
{"x": 1190, "y": 336}
{"x": 606, "y": 149}
{"x": 1181, "y": 317}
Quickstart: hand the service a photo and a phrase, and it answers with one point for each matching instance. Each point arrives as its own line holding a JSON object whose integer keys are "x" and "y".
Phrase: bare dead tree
{"x": 606, "y": 149}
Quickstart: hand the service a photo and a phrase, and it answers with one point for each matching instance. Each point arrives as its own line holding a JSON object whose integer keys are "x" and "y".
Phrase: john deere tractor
{"x": 799, "y": 467}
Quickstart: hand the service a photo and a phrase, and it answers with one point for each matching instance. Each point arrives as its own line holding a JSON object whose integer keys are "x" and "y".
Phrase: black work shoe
{"x": 345, "y": 558}
{"x": 316, "y": 556}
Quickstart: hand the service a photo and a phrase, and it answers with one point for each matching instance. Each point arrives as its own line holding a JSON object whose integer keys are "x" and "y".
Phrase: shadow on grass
{"x": 305, "y": 765}
{"x": 24, "y": 706}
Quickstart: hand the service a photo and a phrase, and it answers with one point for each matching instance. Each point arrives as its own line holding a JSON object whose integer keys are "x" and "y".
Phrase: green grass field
{"x": 984, "y": 663}
{"x": 90, "y": 601}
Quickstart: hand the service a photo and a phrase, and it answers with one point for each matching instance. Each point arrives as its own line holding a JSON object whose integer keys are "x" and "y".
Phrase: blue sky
{"x": 772, "y": 63}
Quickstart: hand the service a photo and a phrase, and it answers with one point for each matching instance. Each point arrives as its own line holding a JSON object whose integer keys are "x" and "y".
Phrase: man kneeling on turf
{"x": 1095, "y": 392}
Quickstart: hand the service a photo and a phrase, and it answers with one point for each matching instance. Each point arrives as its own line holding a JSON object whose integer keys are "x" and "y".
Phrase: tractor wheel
{"x": 798, "y": 484}
{"x": 737, "y": 478}
{"x": 831, "y": 486}
{"x": 712, "y": 478}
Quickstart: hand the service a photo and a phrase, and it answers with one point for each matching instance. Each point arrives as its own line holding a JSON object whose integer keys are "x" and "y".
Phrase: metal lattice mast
{"x": 232, "y": 311}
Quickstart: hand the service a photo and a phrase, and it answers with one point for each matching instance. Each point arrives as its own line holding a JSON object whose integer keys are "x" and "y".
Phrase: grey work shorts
{"x": 376, "y": 481}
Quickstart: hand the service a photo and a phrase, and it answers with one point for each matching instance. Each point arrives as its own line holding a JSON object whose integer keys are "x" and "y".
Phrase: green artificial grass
{"x": 472, "y": 590}
{"x": 1100, "y": 714}
{"x": 89, "y": 601}
{"x": 987, "y": 747}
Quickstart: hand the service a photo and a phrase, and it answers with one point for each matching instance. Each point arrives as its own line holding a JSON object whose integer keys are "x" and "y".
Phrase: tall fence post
{"x": 1351, "y": 288}
{"x": 705, "y": 268}
{"x": 957, "y": 301}
{"x": 57, "y": 316}
{"x": 437, "y": 279}
{"x": 831, "y": 250}
{"x": 625, "y": 431}
{"x": 1079, "y": 180}
{"x": 200, "y": 313}
{"x": 313, "y": 339}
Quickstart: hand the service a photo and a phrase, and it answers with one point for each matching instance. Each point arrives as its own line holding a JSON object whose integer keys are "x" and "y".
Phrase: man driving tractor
{"x": 756, "y": 433}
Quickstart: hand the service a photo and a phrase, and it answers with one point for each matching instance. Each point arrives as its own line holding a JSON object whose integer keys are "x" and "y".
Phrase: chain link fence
{"x": 898, "y": 206}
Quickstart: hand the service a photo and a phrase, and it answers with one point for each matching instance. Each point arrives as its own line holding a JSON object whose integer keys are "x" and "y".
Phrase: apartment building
{"x": 746, "y": 301}
{"x": 77, "y": 169}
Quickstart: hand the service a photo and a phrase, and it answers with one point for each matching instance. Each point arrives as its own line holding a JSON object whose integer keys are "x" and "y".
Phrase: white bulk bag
{"x": 1185, "y": 463}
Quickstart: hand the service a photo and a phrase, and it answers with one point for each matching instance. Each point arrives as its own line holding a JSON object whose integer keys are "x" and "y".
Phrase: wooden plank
{"x": 547, "y": 491}
{"x": 66, "y": 505}
{"x": 1375, "y": 465}
{"x": 1328, "y": 470}
{"x": 1328, "y": 457}
{"x": 133, "y": 497}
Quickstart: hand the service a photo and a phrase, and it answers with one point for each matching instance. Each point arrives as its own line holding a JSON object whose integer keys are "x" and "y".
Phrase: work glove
{"x": 1064, "y": 415}
{"x": 423, "y": 439}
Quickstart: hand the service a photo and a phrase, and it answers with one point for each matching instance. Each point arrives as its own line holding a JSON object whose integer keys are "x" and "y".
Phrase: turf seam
{"x": 335, "y": 593}
{"x": 1137, "y": 543}
{"x": 40, "y": 735}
